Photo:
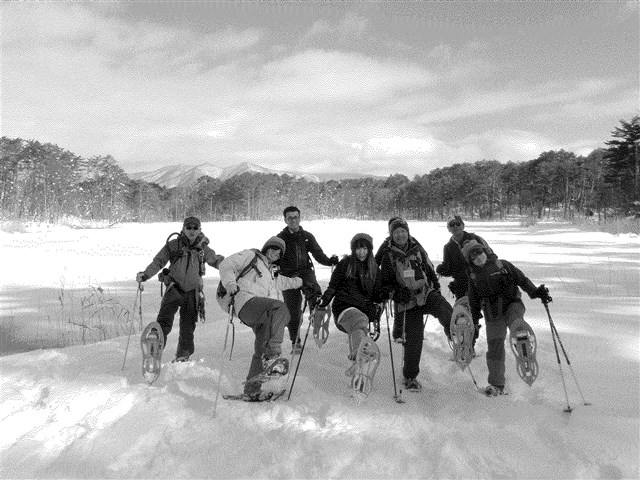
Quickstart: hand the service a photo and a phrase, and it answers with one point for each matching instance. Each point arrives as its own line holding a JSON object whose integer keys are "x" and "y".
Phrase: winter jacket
{"x": 296, "y": 259}
{"x": 454, "y": 265}
{"x": 256, "y": 282}
{"x": 384, "y": 248}
{"x": 361, "y": 292}
{"x": 185, "y": 260}
{"x": 494, "y": 286}
{"x": 409, "y": 268}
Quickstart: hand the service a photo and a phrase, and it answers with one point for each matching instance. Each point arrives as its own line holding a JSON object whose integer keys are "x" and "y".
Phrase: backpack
{"x": 224, "y": 300}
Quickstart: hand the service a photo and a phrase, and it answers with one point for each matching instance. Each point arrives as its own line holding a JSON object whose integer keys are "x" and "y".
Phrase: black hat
{"x": 360, "y": 238}
{"x": 398, "y": 223}
{"x": 191, "y": 221}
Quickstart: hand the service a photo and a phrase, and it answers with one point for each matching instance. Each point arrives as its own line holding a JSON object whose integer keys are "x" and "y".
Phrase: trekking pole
{"x": 473, "y": 378}
{"x": 555, "y": 334}
{"x": 135, "y": 303}
{"x": 223, "y": 361}
{"x": 293, "y": 380}
{"x": 396, "y": 397}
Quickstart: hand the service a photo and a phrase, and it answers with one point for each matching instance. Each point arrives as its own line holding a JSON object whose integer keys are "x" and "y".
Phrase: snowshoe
{"x": 151, "y": 344}
{"x": 412, "y": 385}
{"x": 366, "y": 364}
{"x": 462, "y": 333}
{"x": 494, "y": 391}
{"x": 524, "y": 346}
{"x": 274, "y": 368}
{"x": 256, "y": 397}
{"x": 181, "y": 359}
{"x": 320, "y": 320}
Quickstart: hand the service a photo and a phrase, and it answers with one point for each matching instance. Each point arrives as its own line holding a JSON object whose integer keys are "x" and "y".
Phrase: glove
{"x": 542, "y": 293}
{"x": 439, "y": 269}
{"x": 324, "y": 302}
{"x": 232, "y": 289}
{"x": 334, "y": 260}
{"x": 402, "y": 295}
{"x": 141, "y": 277}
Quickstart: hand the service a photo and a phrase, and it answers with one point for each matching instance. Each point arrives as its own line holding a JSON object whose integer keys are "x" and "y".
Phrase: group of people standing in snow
{"x": 268, "y": 285}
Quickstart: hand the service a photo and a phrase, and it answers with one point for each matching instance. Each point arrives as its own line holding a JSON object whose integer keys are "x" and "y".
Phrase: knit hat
{"x": 360, "y": 238}
{"x": 274, "y": 242}
{"x": 398, "y": 223}
{"x": 454, "y": 218}
{"x": 470, "y": 246}
{"x": 191, "y": 221}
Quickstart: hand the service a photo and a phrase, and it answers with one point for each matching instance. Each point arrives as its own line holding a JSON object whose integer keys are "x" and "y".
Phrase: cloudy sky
{"x": 316, "y": 87}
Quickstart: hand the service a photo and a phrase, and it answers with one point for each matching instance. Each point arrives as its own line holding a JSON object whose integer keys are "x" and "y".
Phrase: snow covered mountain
{"x": 180, "y": 175}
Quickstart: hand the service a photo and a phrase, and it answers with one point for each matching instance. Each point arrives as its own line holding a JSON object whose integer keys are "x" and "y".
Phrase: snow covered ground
{"x": 76, "y": 413}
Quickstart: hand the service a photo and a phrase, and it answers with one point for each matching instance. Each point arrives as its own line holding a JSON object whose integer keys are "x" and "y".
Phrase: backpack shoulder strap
{"x": 253, "y": 264}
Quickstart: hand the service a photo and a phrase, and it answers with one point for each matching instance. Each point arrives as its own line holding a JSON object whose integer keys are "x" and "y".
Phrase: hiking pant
{"x": 513, "y": 318}
{"x": 175, "y": 298}
{"x": 267, "y": 318}
{"x": 293, "y": 299}
{"x": 435, "y": 305}
{"x": 356, "y": 324}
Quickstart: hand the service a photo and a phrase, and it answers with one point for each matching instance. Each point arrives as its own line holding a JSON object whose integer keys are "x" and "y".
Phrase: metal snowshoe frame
{"x": 151, "y": 344}
{"x": 320, "y": 318}
{"x": 462, "y": 333}
{"x": 524, "y": 345}
{"x": 366, "y": 364}
{"x": 271, "y": 371}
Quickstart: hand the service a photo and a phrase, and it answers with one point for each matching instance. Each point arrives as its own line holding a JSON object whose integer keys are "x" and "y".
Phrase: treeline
{"x": 43, "y": 182}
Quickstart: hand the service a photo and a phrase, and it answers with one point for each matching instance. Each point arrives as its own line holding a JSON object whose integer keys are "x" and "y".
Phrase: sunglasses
{"x": 296, "y": 217}
{"x": 192, "y": 227}
{"x": 475, "y": 253}
{"x": 455, "y": 223}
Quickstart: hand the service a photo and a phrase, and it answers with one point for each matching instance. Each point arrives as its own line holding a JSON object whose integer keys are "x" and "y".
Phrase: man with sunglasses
{"x": 453, "y": 262}
{"x": 187, "y": 255}
{"x": 296, "y": 262}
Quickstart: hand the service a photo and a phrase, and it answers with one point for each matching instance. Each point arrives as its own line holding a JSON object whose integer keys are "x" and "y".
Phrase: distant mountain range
{"x": 181, "y": 175}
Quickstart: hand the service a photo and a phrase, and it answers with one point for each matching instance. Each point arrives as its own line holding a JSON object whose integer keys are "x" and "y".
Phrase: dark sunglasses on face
{"x": 192, "y": 227}
{"x": 293, "y": 217}
{"x": 455, "y": 223}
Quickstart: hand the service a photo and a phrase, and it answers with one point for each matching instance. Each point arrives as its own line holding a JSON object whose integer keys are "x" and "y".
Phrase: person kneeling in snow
{"x": 355, "y": 290}
{"x": 493, "y": 290}
{"x": 251, "y": 278}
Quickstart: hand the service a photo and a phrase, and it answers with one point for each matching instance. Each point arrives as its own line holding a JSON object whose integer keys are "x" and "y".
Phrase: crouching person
{"x": 494, "y": 289}
{"x": 251, "y": 278}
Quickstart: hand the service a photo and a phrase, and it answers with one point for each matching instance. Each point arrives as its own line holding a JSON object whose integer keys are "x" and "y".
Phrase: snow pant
{"x": 267, "y": 318}
{"x": 293, "y": 299}
{"x": 356, "y": 324}
{"x": 175, "y": 298}
{"x": 513, "y": 318}
{"x": 435, "y": 305}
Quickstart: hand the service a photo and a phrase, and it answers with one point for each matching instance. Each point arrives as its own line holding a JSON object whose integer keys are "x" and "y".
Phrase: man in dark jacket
{"x": 187, "y": 256}
{"x": 494, "y": 289}
{"x": 453, "y": 263}
{"x": 407, "y": 271}
{"x": 296, "y": 263}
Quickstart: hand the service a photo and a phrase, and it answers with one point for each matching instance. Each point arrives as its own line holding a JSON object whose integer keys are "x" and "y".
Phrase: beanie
{"x": 398, "y": 223}
{"x": 191, "y": 221}
{"x": 362, "y": 238}
{"x": 274, "y": 242}
{"x": 470, "y": 246}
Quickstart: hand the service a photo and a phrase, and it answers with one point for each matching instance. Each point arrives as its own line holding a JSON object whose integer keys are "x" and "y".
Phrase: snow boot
{"x": 366, "y": 364}
{"x": 273, "y": 368}
{"x": 151, "y": 344}
{"x": 320, "y": 320}
{"x": 462, "y": 333}
{"x": 524, "y": 346}
{"x": 412, "y": 385}
{"x": 494, "y": 390}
